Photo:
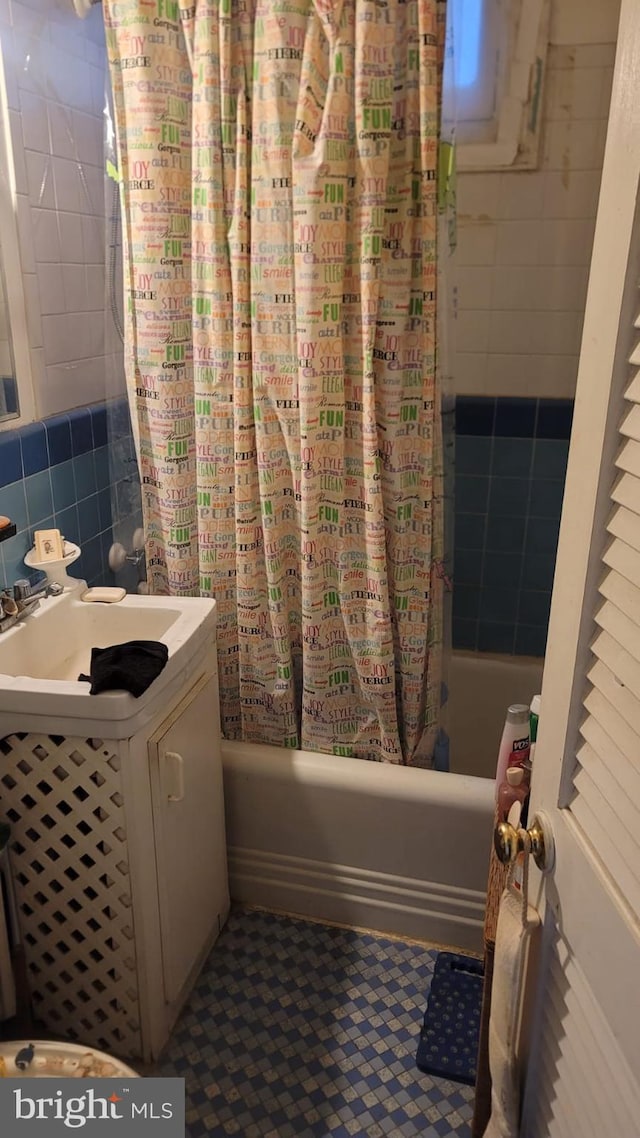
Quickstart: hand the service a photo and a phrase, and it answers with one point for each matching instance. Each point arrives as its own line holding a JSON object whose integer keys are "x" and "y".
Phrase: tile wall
{"x": 61, "y": 472}
{"x": 511, "y": 457}
{"x": 55, "y": 80}
{"x": 525, "y": 237}
{"x": 6, "y": 362}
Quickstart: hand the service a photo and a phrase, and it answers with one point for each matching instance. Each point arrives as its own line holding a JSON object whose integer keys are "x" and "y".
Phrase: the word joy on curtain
{"x": 278, "y": 166}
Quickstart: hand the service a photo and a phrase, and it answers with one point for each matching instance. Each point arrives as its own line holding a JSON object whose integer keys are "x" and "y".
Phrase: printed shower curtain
{"x": 278, "y": 176}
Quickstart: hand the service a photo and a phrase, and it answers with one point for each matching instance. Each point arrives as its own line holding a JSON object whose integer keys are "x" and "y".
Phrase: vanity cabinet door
{"x": 188, "y": 818}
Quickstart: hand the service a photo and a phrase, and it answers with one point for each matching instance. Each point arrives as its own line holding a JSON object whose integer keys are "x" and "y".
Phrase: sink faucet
{"x": 24, "y": 598}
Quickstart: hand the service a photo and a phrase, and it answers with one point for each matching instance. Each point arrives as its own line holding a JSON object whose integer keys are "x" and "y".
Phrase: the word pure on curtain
{"x": 279, "y": 193}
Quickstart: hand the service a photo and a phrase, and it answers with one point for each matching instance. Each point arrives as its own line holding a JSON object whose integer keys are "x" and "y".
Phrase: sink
{"x": 42, "y": 656}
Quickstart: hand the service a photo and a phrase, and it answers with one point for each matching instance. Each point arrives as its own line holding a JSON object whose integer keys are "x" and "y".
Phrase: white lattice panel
{"x": 63, "y": 798}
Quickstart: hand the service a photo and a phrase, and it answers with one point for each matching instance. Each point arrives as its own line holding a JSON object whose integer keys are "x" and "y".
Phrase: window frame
{"x": 519, "y": 83}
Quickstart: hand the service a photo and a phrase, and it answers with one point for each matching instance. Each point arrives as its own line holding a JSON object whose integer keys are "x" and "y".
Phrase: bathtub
{"x": 389, "y": 848}
{"x": 481, "y": 687}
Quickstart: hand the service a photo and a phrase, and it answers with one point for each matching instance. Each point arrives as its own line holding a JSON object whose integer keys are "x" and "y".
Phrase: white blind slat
{"x": 575, "y": 1043}
{"x": 611, "y": 757}
{"x": 611, "y": 649}
{"x": 628, "y": 457}
{"x": 615, "y": 795}
{"x": 619, "y": 697}
{"x": 622, "y": 594}
{"x": 603, "y": 711}
{"x": 620, "y": 556}
{"x": 630, "y": 426}
{"x": 633, "y": 391}
{"x": 600, "y": 840}
{"x": 596, "y": 1034}
{"x": 625, "y": 525}
{"x": 620, "y": 843}
{"x": 625, "y": 491}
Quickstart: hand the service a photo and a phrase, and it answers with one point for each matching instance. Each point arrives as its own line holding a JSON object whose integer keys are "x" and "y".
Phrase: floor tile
{"x": 301, "y": 1030}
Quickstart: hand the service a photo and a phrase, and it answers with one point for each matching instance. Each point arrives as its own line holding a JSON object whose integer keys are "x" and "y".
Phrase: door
{"x": 188, "y": 819}
{"x": 582, "y": 1061}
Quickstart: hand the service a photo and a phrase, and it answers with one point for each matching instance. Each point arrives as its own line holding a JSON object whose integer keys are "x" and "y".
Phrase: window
{"x": 495, "y": 80}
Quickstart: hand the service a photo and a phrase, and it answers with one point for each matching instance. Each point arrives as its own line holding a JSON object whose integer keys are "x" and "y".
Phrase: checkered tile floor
{"x": 300, "y": 1030}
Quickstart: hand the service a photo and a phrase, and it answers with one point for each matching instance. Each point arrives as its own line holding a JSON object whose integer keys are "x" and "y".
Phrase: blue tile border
{"x": 10, "y": 458}
{"x": 59, "y": 439}
{"x": 555, "y": 417}
{"x": 81, "y": 431}
{"x": 33, "y": 441}
{"x": 475, "y": 416}
{"x": 516, "y": 418}
{"x": 511, "y": 460}
{"x": 57, "y": 472}
{"x": 48, "y": 442}
{"x": 508, "y": 417}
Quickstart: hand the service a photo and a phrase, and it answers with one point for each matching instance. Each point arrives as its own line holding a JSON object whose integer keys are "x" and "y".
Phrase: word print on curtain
{"x": 278, "y": 167}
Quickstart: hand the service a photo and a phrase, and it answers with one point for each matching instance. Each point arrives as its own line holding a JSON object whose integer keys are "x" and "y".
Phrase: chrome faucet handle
{"x": 21, "y": 589}
{"x": 8, "y": 610}
{"x": 24, "y": 591}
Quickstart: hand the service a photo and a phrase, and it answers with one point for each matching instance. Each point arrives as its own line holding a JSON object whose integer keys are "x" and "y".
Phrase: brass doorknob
{"x": 508, "y": 842}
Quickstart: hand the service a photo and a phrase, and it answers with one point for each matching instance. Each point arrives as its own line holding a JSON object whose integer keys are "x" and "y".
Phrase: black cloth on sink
{"x": 130, "y": 667}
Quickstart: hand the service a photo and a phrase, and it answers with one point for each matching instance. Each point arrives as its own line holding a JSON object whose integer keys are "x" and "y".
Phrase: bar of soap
{"x": 104, "y": 595}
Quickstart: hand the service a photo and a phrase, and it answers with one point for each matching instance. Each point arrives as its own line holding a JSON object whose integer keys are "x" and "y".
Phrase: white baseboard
{"x": 402, "y": 906}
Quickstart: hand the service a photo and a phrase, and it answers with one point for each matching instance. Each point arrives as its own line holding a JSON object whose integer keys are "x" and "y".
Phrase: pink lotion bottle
{"x": 514, "y": 789}
{"x": 515, "y": 743}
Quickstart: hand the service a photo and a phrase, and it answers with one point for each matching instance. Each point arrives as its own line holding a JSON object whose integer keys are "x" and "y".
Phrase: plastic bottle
{"x": 515, "y": 742}
{"x": 514, "y": 789}
{"x": 534, "y": 716}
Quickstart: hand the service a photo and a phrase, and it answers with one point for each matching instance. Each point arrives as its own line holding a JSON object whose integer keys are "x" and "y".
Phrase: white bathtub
{"x": 383, "y": 847}
{"x": 481, "y": 687}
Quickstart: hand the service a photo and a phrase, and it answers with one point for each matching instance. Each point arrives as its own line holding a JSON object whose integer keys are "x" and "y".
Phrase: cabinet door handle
{"x": 178, "y": 761}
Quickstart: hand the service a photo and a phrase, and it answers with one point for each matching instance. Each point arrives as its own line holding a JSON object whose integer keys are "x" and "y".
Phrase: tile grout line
{"x": 486, "y": 520}
{"x": 527, "y": 515}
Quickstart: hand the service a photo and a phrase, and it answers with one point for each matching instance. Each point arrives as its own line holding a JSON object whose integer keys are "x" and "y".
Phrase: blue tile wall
{"x": 511, "y": 460}
{"x": 58, "y": 473}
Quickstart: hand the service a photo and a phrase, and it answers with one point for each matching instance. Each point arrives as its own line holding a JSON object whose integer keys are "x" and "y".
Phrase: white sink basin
{"x": 42, "y": 656}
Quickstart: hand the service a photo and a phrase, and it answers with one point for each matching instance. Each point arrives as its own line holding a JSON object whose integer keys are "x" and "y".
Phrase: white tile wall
{"x": 55, "y": 67}
{"x": 6, "y": 364}
{"x": 525, "y": 237}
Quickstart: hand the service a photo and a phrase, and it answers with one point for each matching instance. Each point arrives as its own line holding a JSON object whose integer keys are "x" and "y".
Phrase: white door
{"x": 582, "y": 1063}
{"x": 188, "y": 820}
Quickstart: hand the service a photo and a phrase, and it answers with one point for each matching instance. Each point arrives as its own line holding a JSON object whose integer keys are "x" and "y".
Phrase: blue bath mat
{"x": 451, "y": 1029}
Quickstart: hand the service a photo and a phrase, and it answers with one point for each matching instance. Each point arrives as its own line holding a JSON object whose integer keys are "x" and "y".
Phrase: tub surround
{"x": 481, "y": 687}
{"x": 61, "y": 472}
{"x": 511, "y": 458}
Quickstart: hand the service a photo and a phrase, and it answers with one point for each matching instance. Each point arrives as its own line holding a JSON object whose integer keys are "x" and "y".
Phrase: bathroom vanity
{"x": 117, "y": 817}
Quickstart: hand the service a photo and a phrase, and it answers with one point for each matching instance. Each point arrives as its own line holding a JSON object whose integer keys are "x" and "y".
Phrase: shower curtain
{"x": 278, "y": 175}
